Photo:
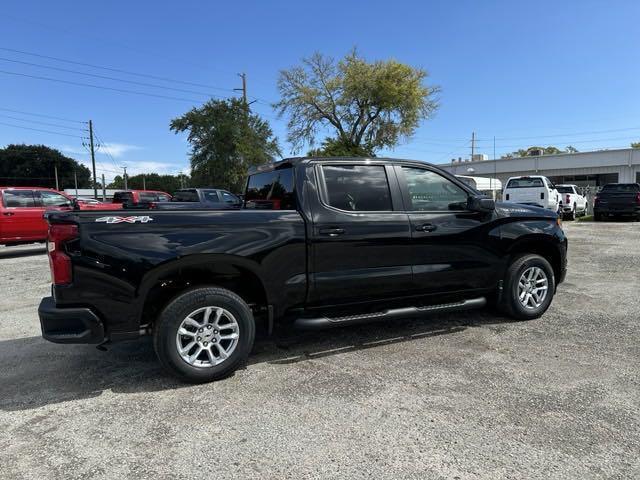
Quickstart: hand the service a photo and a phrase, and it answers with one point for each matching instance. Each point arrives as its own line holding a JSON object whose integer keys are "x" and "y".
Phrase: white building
{"x": 584, "y": 169}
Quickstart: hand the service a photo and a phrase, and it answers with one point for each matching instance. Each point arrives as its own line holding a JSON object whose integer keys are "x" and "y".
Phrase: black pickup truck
{"x": 617, "y": 199}
{"x": 328, "y": 242}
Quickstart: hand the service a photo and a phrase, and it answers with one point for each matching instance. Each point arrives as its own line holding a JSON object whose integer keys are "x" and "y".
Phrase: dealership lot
{"x": 466, "y": 395}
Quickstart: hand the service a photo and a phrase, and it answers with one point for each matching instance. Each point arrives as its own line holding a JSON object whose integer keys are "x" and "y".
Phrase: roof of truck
{"x": 292, "y": 161}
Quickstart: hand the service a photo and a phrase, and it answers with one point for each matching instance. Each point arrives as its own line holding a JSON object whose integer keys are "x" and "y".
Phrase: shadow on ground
{"x": 35, "y": 373}
{"x": 15, "y": 252}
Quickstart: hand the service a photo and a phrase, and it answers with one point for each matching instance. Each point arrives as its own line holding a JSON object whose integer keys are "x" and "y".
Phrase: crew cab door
{"x": 22, "y": 216}
{"x": 360, "y": 236}
{"x": 453, "y": 248}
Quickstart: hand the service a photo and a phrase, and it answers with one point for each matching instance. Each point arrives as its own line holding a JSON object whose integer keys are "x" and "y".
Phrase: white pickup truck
{"x": 534, "y": 190}
{"x": 572, "y": 204}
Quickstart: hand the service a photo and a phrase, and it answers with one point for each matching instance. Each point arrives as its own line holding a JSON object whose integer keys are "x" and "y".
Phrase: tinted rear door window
{"x": 122, "y": 197}
{"x": 210, "y": 196}
{"x": 362, "y": 188}
{"x": 186, "y": 196}
{"x": 19, "y": 198}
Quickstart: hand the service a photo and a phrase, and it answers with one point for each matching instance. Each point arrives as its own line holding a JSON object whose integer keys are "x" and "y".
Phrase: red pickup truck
{"x": 22, "y": 209}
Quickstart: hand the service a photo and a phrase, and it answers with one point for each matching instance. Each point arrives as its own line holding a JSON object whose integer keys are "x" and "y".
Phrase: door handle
{"x": 426, "y": 227}
{"x": 8, "y": 214}
{"x": 332, "y": 232}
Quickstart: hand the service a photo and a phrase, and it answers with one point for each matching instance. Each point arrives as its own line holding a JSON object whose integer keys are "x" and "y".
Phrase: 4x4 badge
{"x": 133, "y": 219}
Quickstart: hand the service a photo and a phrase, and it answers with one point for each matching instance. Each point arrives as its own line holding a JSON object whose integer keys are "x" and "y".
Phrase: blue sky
{"x": 525, "y": 72}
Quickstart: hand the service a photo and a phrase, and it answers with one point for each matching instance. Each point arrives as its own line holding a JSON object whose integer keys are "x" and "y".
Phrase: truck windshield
{"x": 621, "y": 187}
{"x": 525, "y": 183}
{"x": 562, "y": 189}
{"x": 271, "y": 190}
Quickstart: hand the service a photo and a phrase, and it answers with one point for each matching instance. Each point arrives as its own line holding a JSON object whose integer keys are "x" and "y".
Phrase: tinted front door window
{"x": 429, "y": 191}
{"x": 357, "y": 188}
{"x": 53, "y": 199}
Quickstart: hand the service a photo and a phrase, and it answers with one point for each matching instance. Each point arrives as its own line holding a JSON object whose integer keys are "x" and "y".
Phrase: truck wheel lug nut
{"x": 199, "y": 338}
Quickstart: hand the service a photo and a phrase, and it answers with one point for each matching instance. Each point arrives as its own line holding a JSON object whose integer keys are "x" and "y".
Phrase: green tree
{"x": 226, "y": 139}
{"x": 530, "y": 151}
{"x": 635, "y": 145}
{"x": 34, "y": 165}
{"x": 151, "y": 181}
{"x": 367, "y": 105}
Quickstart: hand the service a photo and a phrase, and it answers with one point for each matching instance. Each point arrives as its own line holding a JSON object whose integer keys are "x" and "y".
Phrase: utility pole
{"x": 473, "y": 144}
{"x": 55, "y": 169}
{"x": 243, "y": 76}
{"x": 75, "y": 180}
{"x": 93, "y": 161}
{"x": 495, "y": 167}
{"x": 144, "y": 182}
{"x": 125, "y": 178}
{"x": 104, "y": 191}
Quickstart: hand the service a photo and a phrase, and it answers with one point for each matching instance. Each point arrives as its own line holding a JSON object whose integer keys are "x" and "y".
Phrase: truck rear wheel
{"x": 204, "y": 334}
{"x": 528, "y": 289}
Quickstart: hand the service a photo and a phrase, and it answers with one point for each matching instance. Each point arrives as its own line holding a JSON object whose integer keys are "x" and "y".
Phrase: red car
{"x": 135, "y": 197}
{"x": 22, "y": 209}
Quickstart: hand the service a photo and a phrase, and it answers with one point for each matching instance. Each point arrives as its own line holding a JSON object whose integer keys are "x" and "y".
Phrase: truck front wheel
{"x": 204, "y": 334}
{"x": 529, "y": 286}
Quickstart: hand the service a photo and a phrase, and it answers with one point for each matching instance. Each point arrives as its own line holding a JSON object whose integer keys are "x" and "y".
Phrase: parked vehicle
{"x": 532, "y": 190}
{"x": 135, "y": 197}
{"x": 617, "y": 199}
{"x": 22, "y": 210}
{"x": 572, "y": 204}
{"x": 348, "y": 241}
{"x": 492, "y": 187}
{"x": 208, "y": 198}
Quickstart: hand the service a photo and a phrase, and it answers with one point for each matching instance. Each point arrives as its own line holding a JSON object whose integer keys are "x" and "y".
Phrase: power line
{"x": 106, "y": 151}
{"x": 117, "y": 70}
{"x": 40, "y": 130}
{"x": 105, "y": 77}
{"x": 41, "y": 115}
{"x": 43, "y": 123}
{"x": 120, "y": 90}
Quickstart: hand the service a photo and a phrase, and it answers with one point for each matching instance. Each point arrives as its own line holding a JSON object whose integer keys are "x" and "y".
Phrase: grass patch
{"x": 586, "y": 218}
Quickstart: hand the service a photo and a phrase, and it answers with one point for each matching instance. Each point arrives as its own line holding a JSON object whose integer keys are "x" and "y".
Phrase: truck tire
{"x": 597, "y": 217}
{"x": 204, "y": 334}
{"x": 528, "y": 287}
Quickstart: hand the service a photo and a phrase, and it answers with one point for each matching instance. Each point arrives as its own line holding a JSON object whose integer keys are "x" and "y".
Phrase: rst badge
{"x": 132, "y": 219}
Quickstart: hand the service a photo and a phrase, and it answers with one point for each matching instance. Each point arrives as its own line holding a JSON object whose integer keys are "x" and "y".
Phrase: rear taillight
{"x": 507, "y": 196}
{"x": 59, "y": 261}
{"x": 596, "y": 199}
{"x": 638, "y": 198}
{"x": 541, "y": 195}
{"x": 568, "y": 200}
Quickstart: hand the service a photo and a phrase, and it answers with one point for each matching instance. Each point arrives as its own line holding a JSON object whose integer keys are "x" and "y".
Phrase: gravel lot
{"x": 463, "y": 396}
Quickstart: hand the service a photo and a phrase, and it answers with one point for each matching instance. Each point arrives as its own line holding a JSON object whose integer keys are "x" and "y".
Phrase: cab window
{"x": 18, "y": 198}
{"x": 53, "y": 199}
{"x": 361, "y": 188}
{"x": 429, "y": 191}
{"x": 185, "y": 196}
{"x": 123, "y": 197}
{"x": 230, "y": 198}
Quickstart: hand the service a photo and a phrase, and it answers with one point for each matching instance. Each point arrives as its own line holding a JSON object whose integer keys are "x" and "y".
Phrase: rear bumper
{"x": 69, "y": 325}
{"x": 613, "y": 210}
